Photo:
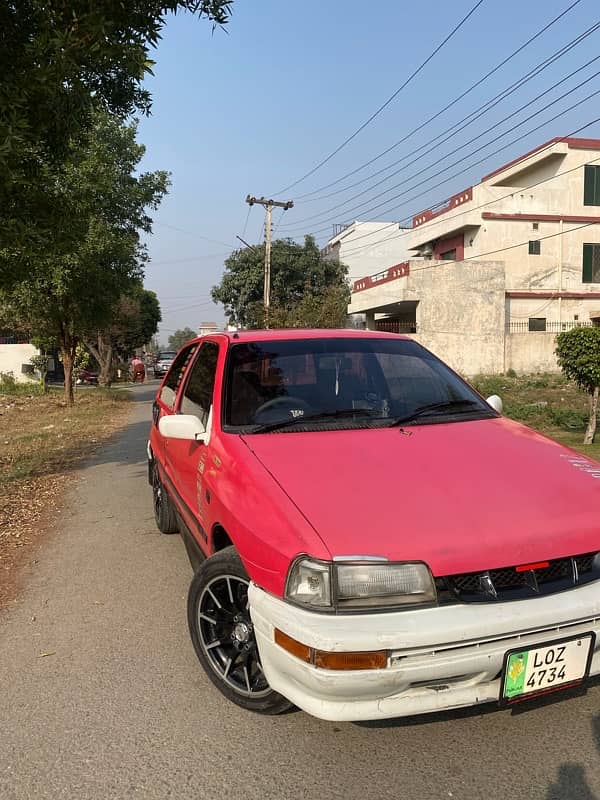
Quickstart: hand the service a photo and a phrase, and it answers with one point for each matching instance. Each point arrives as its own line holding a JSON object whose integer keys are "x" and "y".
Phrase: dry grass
{"x": 41, "y": 441}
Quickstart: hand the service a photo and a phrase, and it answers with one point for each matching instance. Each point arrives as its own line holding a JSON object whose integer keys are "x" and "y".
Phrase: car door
{"x": 187, "y": 461}
{"x": 166, "y": 397}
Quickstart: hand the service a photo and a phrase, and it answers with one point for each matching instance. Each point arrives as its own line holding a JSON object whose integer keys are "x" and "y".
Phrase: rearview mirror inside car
{"x": 182, "y": 426}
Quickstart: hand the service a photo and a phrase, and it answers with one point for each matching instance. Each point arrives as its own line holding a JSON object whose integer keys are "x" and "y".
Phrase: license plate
{"x": 543, "y": 669}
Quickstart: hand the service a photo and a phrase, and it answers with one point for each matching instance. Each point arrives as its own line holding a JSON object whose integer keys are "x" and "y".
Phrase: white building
{"x": 522, "y": 253}
{"x": 367, "y": 247}
{"x": 206, "y": 328}
{"x": 15, "y": 353}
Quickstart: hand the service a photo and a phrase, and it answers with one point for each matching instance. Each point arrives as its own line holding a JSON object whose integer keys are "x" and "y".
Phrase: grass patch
{"x": 548, "y": 403}
{"x": 41, "y": 441}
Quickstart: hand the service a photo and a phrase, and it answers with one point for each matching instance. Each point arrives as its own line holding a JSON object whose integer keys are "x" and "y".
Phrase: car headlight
{"x": 359, "y": 585}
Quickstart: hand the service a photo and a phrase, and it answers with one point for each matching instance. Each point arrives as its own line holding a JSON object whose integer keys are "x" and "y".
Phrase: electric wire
{"x": 492, "y": 141}
{"x": 459, "y": 126}
{"x": 451, "y": 104}
{"x": 390, "y": 99}
{"x": 469, "y": 210}
{"x": 389, "y": 200}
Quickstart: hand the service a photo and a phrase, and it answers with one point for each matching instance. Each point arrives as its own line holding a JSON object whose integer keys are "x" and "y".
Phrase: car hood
{"x": 463, "y": 497}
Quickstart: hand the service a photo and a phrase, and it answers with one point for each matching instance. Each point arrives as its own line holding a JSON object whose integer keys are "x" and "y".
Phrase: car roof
{"x": 285, "y": 334}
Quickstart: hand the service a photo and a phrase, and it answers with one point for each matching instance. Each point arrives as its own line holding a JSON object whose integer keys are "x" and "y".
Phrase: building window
{"x": 449, "y": 255}
{"x": 591, "y": 186}
{"x": 537, "y": 323}
{"x": 535, "y": 247}
{"x": 536, "y": 226}
{"x": 591, "y": 263}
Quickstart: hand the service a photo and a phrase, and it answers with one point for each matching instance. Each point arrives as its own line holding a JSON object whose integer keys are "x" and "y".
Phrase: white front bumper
{"x": 439, "y": 658}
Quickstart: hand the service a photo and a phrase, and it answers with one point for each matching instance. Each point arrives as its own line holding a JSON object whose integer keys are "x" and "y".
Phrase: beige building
{"x": 502, "y": 267}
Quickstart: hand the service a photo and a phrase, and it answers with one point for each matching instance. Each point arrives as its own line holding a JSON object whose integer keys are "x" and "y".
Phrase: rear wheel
{"x": 223, "y": 635}
{"x": 164, "y": 513}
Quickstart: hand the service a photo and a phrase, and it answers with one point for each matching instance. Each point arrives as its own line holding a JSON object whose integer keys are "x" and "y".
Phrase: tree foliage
{"x": 180, "y": 337}
{"x": 71, "y": 291}
{"x": 134, "y": 321}
{"x": 578, "y": 354}
{"x": 61, "y": 62}
{"x": 307, "y": 290}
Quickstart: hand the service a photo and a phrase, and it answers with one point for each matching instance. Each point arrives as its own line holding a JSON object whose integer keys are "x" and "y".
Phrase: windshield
{"x": 167, "y": 356}
{"x": 342, "y": 382}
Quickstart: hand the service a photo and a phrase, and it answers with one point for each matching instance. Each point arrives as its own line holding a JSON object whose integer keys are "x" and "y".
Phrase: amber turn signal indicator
{"x": 375, "y": 659}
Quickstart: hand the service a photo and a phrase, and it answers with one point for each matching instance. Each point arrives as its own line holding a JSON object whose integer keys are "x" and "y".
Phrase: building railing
{"x": 551, "y": 326}
{"x": 395, "y": 326}
{"x": 14, "y": 337}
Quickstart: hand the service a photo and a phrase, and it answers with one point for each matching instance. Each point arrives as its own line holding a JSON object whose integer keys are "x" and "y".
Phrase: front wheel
{"x": 223, "y": 635}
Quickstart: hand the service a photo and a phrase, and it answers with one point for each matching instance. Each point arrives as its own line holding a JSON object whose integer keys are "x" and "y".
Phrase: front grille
{"x": 508, "y": 584}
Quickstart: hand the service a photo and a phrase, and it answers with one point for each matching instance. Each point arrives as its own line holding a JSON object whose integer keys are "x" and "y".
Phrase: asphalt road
{"x": 101, "y": 695}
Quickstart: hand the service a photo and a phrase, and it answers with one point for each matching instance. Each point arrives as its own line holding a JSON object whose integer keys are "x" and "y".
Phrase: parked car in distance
{"x": 163, "y": 362}
{"x": 370, "y": 538}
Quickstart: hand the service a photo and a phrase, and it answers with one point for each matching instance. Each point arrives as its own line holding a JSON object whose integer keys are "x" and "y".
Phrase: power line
{"x": 458, "y": 127}
{"x": 464, "y": 158}
{"x": 469, "y": 210}
{"x": 452, "y": 103}
{"x": 503, "y": 249}
{"x": 152, "y": 262}
{"x": 193, "y": 233}
{"x": 470, "y": 166}
{"x": 387, "y": 102}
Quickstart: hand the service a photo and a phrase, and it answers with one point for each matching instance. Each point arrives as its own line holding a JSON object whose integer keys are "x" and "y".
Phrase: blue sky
{"x": 252, "y": 109}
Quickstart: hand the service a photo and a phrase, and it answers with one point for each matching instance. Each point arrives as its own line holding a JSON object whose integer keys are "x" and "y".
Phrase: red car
{"x": 370, "y": 537}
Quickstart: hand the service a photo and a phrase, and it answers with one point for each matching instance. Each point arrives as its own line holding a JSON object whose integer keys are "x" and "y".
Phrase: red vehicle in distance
{"x": 370, "y": 538}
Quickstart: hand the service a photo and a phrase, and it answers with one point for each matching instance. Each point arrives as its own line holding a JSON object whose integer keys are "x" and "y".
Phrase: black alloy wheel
{"x": 223, "y": 634}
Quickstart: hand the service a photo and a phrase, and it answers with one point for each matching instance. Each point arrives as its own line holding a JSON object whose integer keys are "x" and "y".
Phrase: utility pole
{"x": 269, "y": 205}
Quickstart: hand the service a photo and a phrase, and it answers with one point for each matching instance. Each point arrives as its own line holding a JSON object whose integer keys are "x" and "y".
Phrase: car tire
{"x": 217, "y": 612}
{"x": 164, "y": 513}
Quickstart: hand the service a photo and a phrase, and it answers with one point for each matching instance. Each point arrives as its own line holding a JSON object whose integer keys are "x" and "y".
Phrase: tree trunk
{"x": 103, "y": 353}
{"x": 68, "y": 348}
{"x": 591, "y": 428}
{"x": 68, "y": 359}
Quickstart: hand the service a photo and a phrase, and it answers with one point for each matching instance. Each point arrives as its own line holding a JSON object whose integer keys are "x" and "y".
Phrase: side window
{"x": 175, "y": 375}
{"x": 591, "y": 185}
{"x": 198, "y": 392}
{"x": 591, "y": 263}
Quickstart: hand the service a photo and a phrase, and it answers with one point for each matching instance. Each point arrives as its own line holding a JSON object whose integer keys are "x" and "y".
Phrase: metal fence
{"x": 395, "y": 326}
{"x": 545, "y": 326}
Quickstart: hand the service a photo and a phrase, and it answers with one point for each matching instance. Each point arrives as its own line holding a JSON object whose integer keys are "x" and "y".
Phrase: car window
{"x": 167, "y": 356}
{"x": 175, "y": 375}
{"x": 269, "y": 381}
{"x": 198, "y": 391}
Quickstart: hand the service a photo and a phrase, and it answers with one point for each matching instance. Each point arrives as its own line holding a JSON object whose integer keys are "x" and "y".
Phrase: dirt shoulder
{"x": 42, "y": 442}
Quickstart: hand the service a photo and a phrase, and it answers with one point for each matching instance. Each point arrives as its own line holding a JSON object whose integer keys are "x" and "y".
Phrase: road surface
{"x": 101, "y": 695}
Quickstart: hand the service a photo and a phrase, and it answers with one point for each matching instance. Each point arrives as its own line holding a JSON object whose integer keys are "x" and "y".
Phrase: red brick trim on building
{"x": 391, "y": 274}
{"x": 456, "y": 200}
{"x": 551, "y": 295}
{"x": 538, "y": 217}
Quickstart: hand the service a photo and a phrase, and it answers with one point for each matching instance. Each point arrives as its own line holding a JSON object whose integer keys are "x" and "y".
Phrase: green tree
{"x": 301, "y": 280}
{"x": 71, "y": 293}
{"x": 180, "y": 337}
{"x": 578, "y": 353}
{"x": 134, "y": 321}
{"x": 60, "y": 63}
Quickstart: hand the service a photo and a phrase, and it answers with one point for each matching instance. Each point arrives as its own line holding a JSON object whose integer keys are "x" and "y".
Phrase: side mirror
{"x": 182, "y": 426}
{"x": 495, "y": 402}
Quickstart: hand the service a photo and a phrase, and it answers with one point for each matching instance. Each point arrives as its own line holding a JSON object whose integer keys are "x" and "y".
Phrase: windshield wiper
{"x": 317, "y": 417}
{"x": 447, "y": 405}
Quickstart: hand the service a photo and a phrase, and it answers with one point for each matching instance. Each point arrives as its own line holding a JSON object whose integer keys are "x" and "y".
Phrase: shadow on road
{"x": 571, "y": 783}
